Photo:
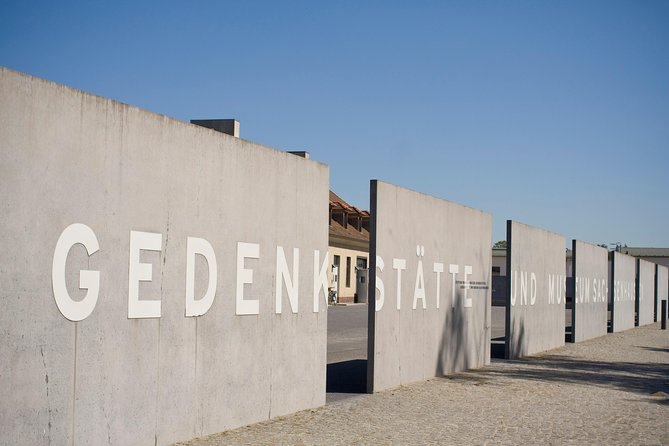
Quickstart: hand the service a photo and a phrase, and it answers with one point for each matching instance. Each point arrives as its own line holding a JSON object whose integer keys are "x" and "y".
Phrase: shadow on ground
{"x": 347, "y": 377}
{"x": 643, "y": 378}
{"x": 656, "y": 349}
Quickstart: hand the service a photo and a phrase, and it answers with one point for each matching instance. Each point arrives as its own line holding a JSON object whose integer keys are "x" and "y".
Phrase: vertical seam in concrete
{"x": 398, "y": 335}
{"x": 271, "y": 369}
{"x": 155, "y": 420}
{"x": 74, "y": 383}
{"x": 197, "y": 394}
{"x": 424, "y": 375}
{"x": 162, "y": 282}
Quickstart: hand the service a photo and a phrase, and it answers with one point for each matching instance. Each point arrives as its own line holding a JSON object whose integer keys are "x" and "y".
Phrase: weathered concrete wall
{"x": 622, "y": 288}
{"x": 661, "y": 288}
{"x": 645, "y": 292}
{"x": 590, "y": 290}
{"x": 69, "y": 157}
{"x": 535, "y": 316}
{"x": 429, "y": 311}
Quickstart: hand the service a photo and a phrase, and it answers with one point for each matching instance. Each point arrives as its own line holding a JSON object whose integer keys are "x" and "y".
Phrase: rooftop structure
{"x": 656, "y": 255}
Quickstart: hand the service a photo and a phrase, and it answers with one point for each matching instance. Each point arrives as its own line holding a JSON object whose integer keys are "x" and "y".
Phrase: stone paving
{"x": 610, "y": 390}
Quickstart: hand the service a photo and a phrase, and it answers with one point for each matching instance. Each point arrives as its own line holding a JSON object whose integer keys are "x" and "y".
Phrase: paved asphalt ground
{"x": 611, "y": 390}
{"x": 347, "y": 331}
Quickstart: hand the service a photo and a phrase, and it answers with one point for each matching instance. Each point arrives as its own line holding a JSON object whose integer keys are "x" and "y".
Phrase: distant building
{"x": 498, "y": 262}
{"x": 655, "y": 255}
{"x": 349, "y": 250}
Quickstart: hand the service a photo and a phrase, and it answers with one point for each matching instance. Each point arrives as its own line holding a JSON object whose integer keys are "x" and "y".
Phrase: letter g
{"x": 88, "y": 280}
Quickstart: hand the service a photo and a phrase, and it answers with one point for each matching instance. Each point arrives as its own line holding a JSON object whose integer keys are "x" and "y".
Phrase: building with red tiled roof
{"x": 349, "y": 250}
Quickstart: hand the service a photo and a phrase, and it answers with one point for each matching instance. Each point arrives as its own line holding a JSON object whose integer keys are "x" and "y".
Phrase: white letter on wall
{"x": 283, "y": 276}
{"x": 419, "y": 287}
{"x": 468, "y": 272}
{"x": 88, "y": 280}
{"x": 523, "y": 288}
{"x": 399, "y": 265}
{"x": 380, "y": 299}
{"x": 202, "y": 247}
{"x": 245, "y": 276}
{"x": 148, "y": 241}
{"x": 438, "y": 268}
{"x": 533, "y": 288}
{"x": 320, "y": 278}
{"x": 453, "y": 270}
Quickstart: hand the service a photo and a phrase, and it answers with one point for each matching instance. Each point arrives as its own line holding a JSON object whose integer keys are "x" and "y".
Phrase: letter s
{"x": 380, "y": 299}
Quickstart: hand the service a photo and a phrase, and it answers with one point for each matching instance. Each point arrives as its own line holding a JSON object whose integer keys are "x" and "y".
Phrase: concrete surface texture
{"x": 429, "y": 289}
{"x": 645, "y": 292}
{"x": 70, "y": 157}
{"x": 661, "y": 288}
{"x": 535, "y": 318}
{"x": 622, "y": 288}
{"x": 590, "y": 311}
{"x": 609, "y": 390}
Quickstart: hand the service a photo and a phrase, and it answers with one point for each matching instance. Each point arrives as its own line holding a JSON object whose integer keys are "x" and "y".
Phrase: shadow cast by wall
{"x": 515, "y": 346}
{"x": 457, "y": 350}
{"x": 643, "y": 378}
{"x": 347, "y": 377}
{"x": 655, "y": 349}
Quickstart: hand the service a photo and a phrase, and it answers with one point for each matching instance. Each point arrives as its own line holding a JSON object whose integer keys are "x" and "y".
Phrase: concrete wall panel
{"x": 645, "y": 292}
{"x": 590, "y": 290}
{"x": 622, "y": 290}
{"x": 661, "y": 288}
{"x": 427, "y": 335}
{"x": 535, "y": 316}
{"x": 70, "y": 157}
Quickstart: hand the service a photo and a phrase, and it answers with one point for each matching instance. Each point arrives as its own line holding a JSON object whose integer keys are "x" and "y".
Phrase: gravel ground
{"x": 610, "y": 390}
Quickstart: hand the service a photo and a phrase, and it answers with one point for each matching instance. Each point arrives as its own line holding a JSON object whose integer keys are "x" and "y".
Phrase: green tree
{"x": 501, "y": 244}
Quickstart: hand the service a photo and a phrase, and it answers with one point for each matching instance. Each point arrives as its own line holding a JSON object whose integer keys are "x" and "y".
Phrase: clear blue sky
{"x": 552, "y": 113}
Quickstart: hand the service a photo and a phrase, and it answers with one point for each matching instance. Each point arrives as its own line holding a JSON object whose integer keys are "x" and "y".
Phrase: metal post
{"x": 664, "y": 314}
